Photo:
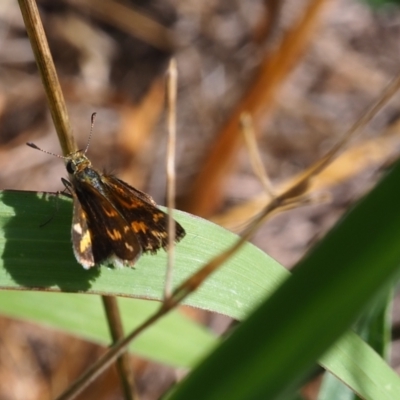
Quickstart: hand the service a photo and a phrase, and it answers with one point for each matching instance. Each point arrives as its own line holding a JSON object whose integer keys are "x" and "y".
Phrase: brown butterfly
{"x": 112, "y": 221}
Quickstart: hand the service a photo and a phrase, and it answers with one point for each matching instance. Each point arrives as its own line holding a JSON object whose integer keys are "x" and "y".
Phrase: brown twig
{"x": 379, "y": 152}
{"x": 303, "y": 179}
{"x": 124, "y": 364}
{"x": 59, "y": 114}
{"x": 246, "y": 123}
{"x": 48, "y": 73}
{"x": 106, "y": 360}
{"x": 171, "y": 106}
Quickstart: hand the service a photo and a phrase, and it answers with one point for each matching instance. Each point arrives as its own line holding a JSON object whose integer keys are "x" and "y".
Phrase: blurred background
{"x": 305, "y": 70}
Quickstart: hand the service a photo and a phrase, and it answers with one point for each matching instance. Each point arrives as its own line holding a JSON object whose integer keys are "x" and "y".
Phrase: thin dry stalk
{"x": 47, "y": 70}
{"x": 303, "y": 181}
{"x": 171, "y": 106}
{"x": 105, "y": 361}
{"x": 59, "y": 114}
{"x": 124, "y": 365}
{"x": 301, "y": 184}
{"x": 247, "y": 127}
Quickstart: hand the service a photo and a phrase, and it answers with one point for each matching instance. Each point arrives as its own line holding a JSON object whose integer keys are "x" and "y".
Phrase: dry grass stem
{"x": 171, "y": 107}
{"x": 98, "y": 367}
{"x": 247, "y": 127}
{"x": 124, "y": 365}
{"x": 48, "y": 73}
{"x": 59, "y": 113}
{"x": 302, "y": 183}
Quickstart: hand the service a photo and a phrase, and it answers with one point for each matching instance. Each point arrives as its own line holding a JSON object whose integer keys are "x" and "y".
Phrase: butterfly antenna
{"x": 92, "y": 118}
{"x": 33, "y": 145}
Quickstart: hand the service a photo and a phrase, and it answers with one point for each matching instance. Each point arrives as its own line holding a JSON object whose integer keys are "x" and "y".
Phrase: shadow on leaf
{"x": 37, "y": 242}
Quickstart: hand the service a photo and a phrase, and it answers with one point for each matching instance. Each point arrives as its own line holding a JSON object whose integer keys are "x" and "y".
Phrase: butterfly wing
{"x": 81, "y": 238}
{"x": 139, "y": 210}
{"x": 99, "y": 231}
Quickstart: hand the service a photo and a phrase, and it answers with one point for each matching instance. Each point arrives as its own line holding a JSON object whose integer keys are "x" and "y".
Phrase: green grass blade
{"x": 333, "y": 389}
{"x": 174, "y": 340}
{"x": 374, "y": 327}
{"x": 269, "y": 355}
{"x": 362, "y": 369}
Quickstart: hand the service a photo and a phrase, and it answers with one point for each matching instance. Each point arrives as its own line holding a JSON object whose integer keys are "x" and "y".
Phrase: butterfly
{"x": 112, "y": 221}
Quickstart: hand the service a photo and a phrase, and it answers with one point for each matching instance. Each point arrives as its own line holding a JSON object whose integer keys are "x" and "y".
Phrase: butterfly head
{"x": 77, "y": 162}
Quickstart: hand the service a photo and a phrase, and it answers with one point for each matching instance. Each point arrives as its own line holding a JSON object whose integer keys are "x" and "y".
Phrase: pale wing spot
{"x": 86, "y": 263}
{"x": 86, "y": 260}
{"x": 157, "y": 217}
{"x": 78, "y": 228}
{"x": 111, "y": 213}
{"x": 128, "y": 246}
{"x": 114, "y": 235}
{"x": 159, "y": 234}
{"x": 85, "y": 242}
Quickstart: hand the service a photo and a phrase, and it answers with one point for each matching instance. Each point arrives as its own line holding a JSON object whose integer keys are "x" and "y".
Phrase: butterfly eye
{"x": 71, "y": 167}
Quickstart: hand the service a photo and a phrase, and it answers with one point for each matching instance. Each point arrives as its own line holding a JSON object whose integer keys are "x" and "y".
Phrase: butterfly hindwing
{"x": 109, "y": 234}
{"x": 80, "y": 234}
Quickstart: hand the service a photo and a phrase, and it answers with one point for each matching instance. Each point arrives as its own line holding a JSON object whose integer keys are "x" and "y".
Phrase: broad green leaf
{"x": 41, "y": 257}
{"x": 174, "y": 340}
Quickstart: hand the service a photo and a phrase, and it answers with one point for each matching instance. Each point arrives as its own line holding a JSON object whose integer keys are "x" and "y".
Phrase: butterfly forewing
{"x": 148, "y": 222}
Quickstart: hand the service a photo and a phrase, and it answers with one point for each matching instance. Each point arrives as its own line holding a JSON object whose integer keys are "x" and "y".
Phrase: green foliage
{"x": 381, "y": 3}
